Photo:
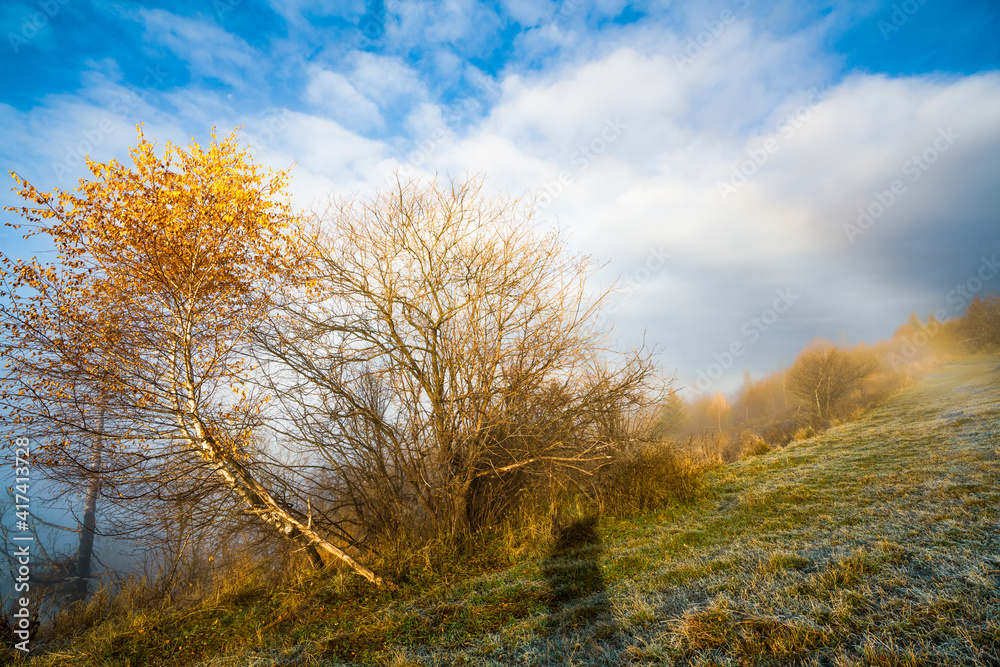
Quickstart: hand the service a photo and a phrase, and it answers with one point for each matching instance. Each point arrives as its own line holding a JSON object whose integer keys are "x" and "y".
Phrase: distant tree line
{"x": 827, "y": 384}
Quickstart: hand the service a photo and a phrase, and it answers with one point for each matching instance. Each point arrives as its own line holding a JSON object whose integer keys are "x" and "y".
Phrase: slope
{"x": 873, "y": 543}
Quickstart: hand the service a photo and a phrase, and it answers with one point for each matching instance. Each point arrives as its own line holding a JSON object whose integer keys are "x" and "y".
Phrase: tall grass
{"x": 653, "y": 477}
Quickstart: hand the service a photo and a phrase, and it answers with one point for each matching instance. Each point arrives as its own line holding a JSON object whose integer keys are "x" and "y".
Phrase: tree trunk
{"x": 820, "y": 416}
{"x": 313, "y": 555}
{"x": 238, "y": 478}
{"x": 85, "y": 552}
{"x": 286, "y": 520}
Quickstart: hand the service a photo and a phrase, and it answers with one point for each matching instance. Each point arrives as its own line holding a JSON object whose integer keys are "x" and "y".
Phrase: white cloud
{"x": 210, "y": 51}
{"x": 367, "y": 90}
{"x": 431, "y": 22}
{"x": 334, "y": 96}
{"x": 299, "y": 12}
{"x": 49, "y": 142}
{"x": 657, "y": 184}
{"x": 323, "y": 155}
{"x": 386, "y": 79}
{"x": 529, "y": 12}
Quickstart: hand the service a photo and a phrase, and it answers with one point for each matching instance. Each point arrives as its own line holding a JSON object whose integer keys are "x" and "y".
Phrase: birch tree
{"x": 137, "y": 336}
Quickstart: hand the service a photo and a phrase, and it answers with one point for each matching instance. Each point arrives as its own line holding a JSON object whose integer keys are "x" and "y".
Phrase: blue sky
{"x": 753, "y": 173}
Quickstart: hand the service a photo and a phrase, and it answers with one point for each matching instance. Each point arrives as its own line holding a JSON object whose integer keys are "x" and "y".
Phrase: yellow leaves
{"x": 194, "y": 239}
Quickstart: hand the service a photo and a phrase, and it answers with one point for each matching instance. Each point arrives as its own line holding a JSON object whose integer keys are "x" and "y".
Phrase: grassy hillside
{"x": 876, "y": 543}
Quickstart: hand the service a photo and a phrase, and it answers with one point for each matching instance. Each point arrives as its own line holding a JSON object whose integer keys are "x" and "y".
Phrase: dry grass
{"x": 873, "y": 543}
{"x": 650, "y": 479}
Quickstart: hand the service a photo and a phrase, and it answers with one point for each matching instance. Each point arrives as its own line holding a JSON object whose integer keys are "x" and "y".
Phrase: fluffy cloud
{"x": 626, "y": 151}
{"x": 333, "y": 95}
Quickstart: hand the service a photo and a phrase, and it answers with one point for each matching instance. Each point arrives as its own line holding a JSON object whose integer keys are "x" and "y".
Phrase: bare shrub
{"x": 803, "y": 433}
{"x": 674, "y": 417}
{"x": 753, "y": 444}
{"x": 449, "y": 371}
{"x": 711, "y": 447}
{"x": 779, "y": 432}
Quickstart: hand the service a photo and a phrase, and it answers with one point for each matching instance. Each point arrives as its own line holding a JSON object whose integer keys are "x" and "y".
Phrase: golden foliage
{"x": 163, "y": 269}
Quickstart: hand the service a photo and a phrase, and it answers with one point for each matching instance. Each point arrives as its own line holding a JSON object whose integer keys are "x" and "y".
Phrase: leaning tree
{"x": 137, "y": 339}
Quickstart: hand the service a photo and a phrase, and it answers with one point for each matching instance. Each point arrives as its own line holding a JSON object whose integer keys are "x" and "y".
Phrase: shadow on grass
{"x": 576, "y": 582}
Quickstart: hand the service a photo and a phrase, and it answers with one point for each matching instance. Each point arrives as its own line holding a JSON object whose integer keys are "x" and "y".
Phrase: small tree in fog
{"x": 673, "y": 416}
{"x": 979, "y": 328}
{"x": 719, "y": 409}
{"x": 824, "y": 375}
